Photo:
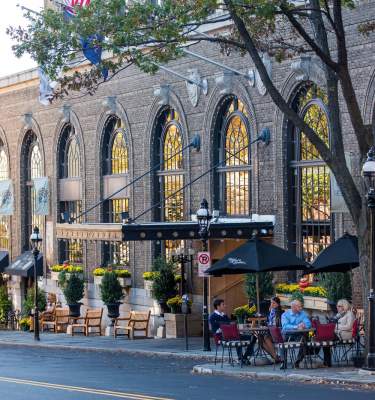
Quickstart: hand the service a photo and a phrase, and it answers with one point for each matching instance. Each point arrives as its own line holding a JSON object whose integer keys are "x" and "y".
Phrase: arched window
{"x": 31, "y": 167}
{"x": 4, "y": 219}
{"x": 309, "y": 178}
{"x": 170, "y": 177}
{"x": 70, "y": 204}
{"x": 232, "y": 138}
{"x": 115, "y": 161}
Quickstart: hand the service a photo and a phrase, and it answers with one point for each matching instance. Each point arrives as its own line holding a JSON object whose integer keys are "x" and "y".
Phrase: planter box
{"x": 310, "y": 302}
{"x": 174, "y": 324}
{"x": 148, "y": 287}
{"x": 98, "y": 280}
{"x": 125, "y": 282}
{"x": 54, "y": 276}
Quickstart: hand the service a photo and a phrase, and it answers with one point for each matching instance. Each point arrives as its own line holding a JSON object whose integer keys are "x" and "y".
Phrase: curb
{"x": 150, "y": 353}
{"x": 292, "y": 377}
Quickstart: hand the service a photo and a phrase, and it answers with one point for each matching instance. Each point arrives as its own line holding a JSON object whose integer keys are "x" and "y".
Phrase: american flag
{"x": 70, "y": 4}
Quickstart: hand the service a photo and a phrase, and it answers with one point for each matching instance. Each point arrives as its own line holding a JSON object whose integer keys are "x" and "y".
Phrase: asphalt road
{"x": 28, "y": 374}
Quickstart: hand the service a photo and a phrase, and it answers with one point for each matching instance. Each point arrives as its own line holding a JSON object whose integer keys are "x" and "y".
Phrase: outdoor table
{"x": 304, "y": 333}
{"x": 259, "y": 332}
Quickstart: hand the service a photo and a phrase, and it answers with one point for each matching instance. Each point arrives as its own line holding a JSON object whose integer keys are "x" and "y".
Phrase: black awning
{"x": 23, "y": 265}
{"x": 190, "y": 230}
{"x": 4, "y": 260}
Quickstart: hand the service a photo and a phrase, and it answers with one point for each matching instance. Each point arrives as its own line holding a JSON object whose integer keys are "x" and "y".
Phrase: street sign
{"x": 204, "y": 262}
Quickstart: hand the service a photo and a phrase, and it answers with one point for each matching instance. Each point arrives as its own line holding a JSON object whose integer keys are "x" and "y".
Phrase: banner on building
{"x": 41, "y": 190}
{"x": 338, "y": 204}
{"x": 6, "y": 197}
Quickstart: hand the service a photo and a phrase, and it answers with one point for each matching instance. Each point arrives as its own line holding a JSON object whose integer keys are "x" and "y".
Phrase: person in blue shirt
{"x": 295, "y": 320}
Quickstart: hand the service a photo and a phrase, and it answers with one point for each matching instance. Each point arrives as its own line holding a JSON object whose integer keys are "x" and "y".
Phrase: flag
{"x": 93, "y": 52}
{"x": 41, "y": 191}
{"x": 46, "y": 87}
{"x": 6, "y": 197}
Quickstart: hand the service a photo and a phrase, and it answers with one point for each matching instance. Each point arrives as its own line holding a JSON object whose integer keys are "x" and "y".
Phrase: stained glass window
{"x": 310, "y": 178}
{"x": 4, "y": 219}
{"x": 235, "y": 170}
{"x": 115, "y": 161}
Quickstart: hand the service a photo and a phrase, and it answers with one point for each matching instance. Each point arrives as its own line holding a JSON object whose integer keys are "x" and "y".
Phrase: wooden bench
{"x": 58, "y": 322}
{"x": 138, "y": 321}
{"x": 91, "y": 322}
{"x": 120, "y": 324}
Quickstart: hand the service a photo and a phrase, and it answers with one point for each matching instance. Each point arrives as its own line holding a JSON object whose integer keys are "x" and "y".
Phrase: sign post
{"x": 204, "y": 262}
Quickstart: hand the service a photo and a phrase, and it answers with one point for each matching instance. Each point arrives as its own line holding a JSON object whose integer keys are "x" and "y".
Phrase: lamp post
{"x": 182, "y": 257}
{"x": 204, "y": 219}
{"x": 36, "y": 240}
{"x": 368, "y": 172}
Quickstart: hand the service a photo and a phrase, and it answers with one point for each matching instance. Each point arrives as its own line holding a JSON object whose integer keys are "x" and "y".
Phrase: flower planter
{"x": 174, "y": 325}
{"x": 125, "y": 282}
{"x": 98, "y": 280}
{"x": 310, "y": 302}
{"x": 74, "y": 310}
{"x": 55, "y": 275}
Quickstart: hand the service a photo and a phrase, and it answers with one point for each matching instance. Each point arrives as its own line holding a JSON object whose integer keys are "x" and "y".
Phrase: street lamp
{"x": 36, "y": 241}
{"x": 182, "y": 257}
{"x": 204, "y": 219}
{"x": 368, "y": 172}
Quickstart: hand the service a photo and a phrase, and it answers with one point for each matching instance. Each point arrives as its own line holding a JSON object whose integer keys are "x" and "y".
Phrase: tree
{"x": 142, "y": 33}
{"x": 266, "y": 289}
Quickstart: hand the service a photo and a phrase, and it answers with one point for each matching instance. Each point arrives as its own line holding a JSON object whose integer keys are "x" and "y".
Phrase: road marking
{"x": 110, "y": 393}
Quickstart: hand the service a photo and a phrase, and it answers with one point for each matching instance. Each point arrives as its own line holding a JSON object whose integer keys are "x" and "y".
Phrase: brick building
{"x": 89, "y": 146}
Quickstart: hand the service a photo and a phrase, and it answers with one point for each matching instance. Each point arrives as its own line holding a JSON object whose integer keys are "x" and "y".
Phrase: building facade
{"x": 91, "y": 146}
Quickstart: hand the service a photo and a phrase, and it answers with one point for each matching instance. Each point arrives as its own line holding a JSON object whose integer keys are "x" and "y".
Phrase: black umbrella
{"x": 257, "y": 255}
{"x": 340, "y": 256}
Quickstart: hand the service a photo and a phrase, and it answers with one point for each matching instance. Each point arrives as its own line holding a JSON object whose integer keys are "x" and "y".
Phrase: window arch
{"x": 4, "y": 219}
{"x": 32, "y": 167}
{"x": 115, "y": 161}
{"x": 70, "y": 204}
{"x": 309, "y": 177}
{"x": 169, "y": 179}
{"x": 232, "y": 141}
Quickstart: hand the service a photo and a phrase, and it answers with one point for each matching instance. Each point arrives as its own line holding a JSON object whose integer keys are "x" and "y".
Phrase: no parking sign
{"x": 204, "y": 262}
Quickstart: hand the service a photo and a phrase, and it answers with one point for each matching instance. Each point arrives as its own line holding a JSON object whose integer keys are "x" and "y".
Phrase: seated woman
{"x": 344, "y": 320}
{"x": 273, "y": 319}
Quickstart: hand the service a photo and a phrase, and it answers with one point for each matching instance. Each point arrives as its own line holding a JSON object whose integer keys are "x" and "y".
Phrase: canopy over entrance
{"x": 23, "y": 265}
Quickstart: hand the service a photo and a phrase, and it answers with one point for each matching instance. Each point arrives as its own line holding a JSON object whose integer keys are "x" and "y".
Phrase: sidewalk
{"x": 156, "y": 347}
{"x": 176, "y": 348}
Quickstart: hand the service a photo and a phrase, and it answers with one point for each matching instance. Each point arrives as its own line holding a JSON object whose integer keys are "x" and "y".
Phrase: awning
{"x": 23, "y": 265}
{"x": 4, "y": 260}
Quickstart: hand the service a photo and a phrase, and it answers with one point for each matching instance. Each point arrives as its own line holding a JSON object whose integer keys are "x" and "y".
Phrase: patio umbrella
{"x": 340, "y": 256}
{"x": 257, "y": 256}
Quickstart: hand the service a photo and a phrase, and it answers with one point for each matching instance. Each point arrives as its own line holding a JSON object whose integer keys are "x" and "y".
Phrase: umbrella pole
{"x": 257, "y": 290}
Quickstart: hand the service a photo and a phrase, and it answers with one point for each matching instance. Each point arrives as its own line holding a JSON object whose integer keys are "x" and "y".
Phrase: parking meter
{"x": 185, "y": 304}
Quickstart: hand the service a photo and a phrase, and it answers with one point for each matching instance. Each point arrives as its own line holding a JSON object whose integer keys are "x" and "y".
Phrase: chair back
{"x": 140, "y": 320}
{"x": 276, "y": 335}
{"x": 62, "y": 315}
{"x": 355, "y": 329}
{"x": 93, "y": 317}
{"x": 325, "y": 332}
{"x": 217, "y": 339}
{"x": 230, "y": 332}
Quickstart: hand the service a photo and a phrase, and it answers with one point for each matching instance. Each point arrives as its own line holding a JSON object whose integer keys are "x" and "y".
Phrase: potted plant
{"x": 73, "y": 290}
{"x": 124, "y": 277}
{"x": 244, "y": 312}
{"x": 25, "y": 324}
{"x": 111, "y": 294}
{"x": 164, "y": 285}
{"x": 55, "y": 270}
{"x": 5, "y": 304}
{"x": 28, "y": 304}
{"x": 175, "y": 304}
{"x": 148, "y": 279}
{"x": 73, "y": 269}
{"x": 98, "y": 275}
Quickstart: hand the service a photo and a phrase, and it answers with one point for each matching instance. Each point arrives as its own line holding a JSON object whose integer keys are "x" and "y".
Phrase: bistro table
{"x": 258, "y": 332}
{"x": 304, "y": 335}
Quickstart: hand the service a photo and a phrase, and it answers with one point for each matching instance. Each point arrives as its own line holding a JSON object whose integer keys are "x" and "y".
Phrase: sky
{"x": 12, "y": 15}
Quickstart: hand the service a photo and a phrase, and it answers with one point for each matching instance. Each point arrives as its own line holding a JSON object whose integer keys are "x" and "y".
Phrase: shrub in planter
{"x": 265, "y": 289}
{"x": 111, "y": 294}
{"x": 149, "y": 275}
{"x": 298, "y": 296}
{"x": 5, "y": 304}
{"x": 25, "y": 324}
{"x": 28, "y": 303}
{"x": 73, "y": 290}
{"x": 175, "y": 304}
{"x": 337, "y": 285}
{"x": 164, "y": 285}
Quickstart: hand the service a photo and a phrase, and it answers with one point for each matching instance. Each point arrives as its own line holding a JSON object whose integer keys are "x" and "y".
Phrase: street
{"x": 54, "y": 374}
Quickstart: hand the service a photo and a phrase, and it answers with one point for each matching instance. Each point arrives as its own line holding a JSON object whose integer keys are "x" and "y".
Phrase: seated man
{"x": 218, "y": 317}
{"x": 293, "y": 320}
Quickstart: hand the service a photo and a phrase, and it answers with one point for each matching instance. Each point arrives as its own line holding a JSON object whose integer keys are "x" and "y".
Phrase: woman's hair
{"x": 345, "y": 304}
{"x": 276, "y": 300}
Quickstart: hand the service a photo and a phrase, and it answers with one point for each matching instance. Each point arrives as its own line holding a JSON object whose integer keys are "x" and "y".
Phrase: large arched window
{"x": 31, "y": 167}
{"x": 4, "y": 219}
{"x": 309, "y": 178}
{"x": 232, "y": 179}
{"x": 115, "y": 164}
{"x": 70, "y": 204}
{"x": 169, "y": 179}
